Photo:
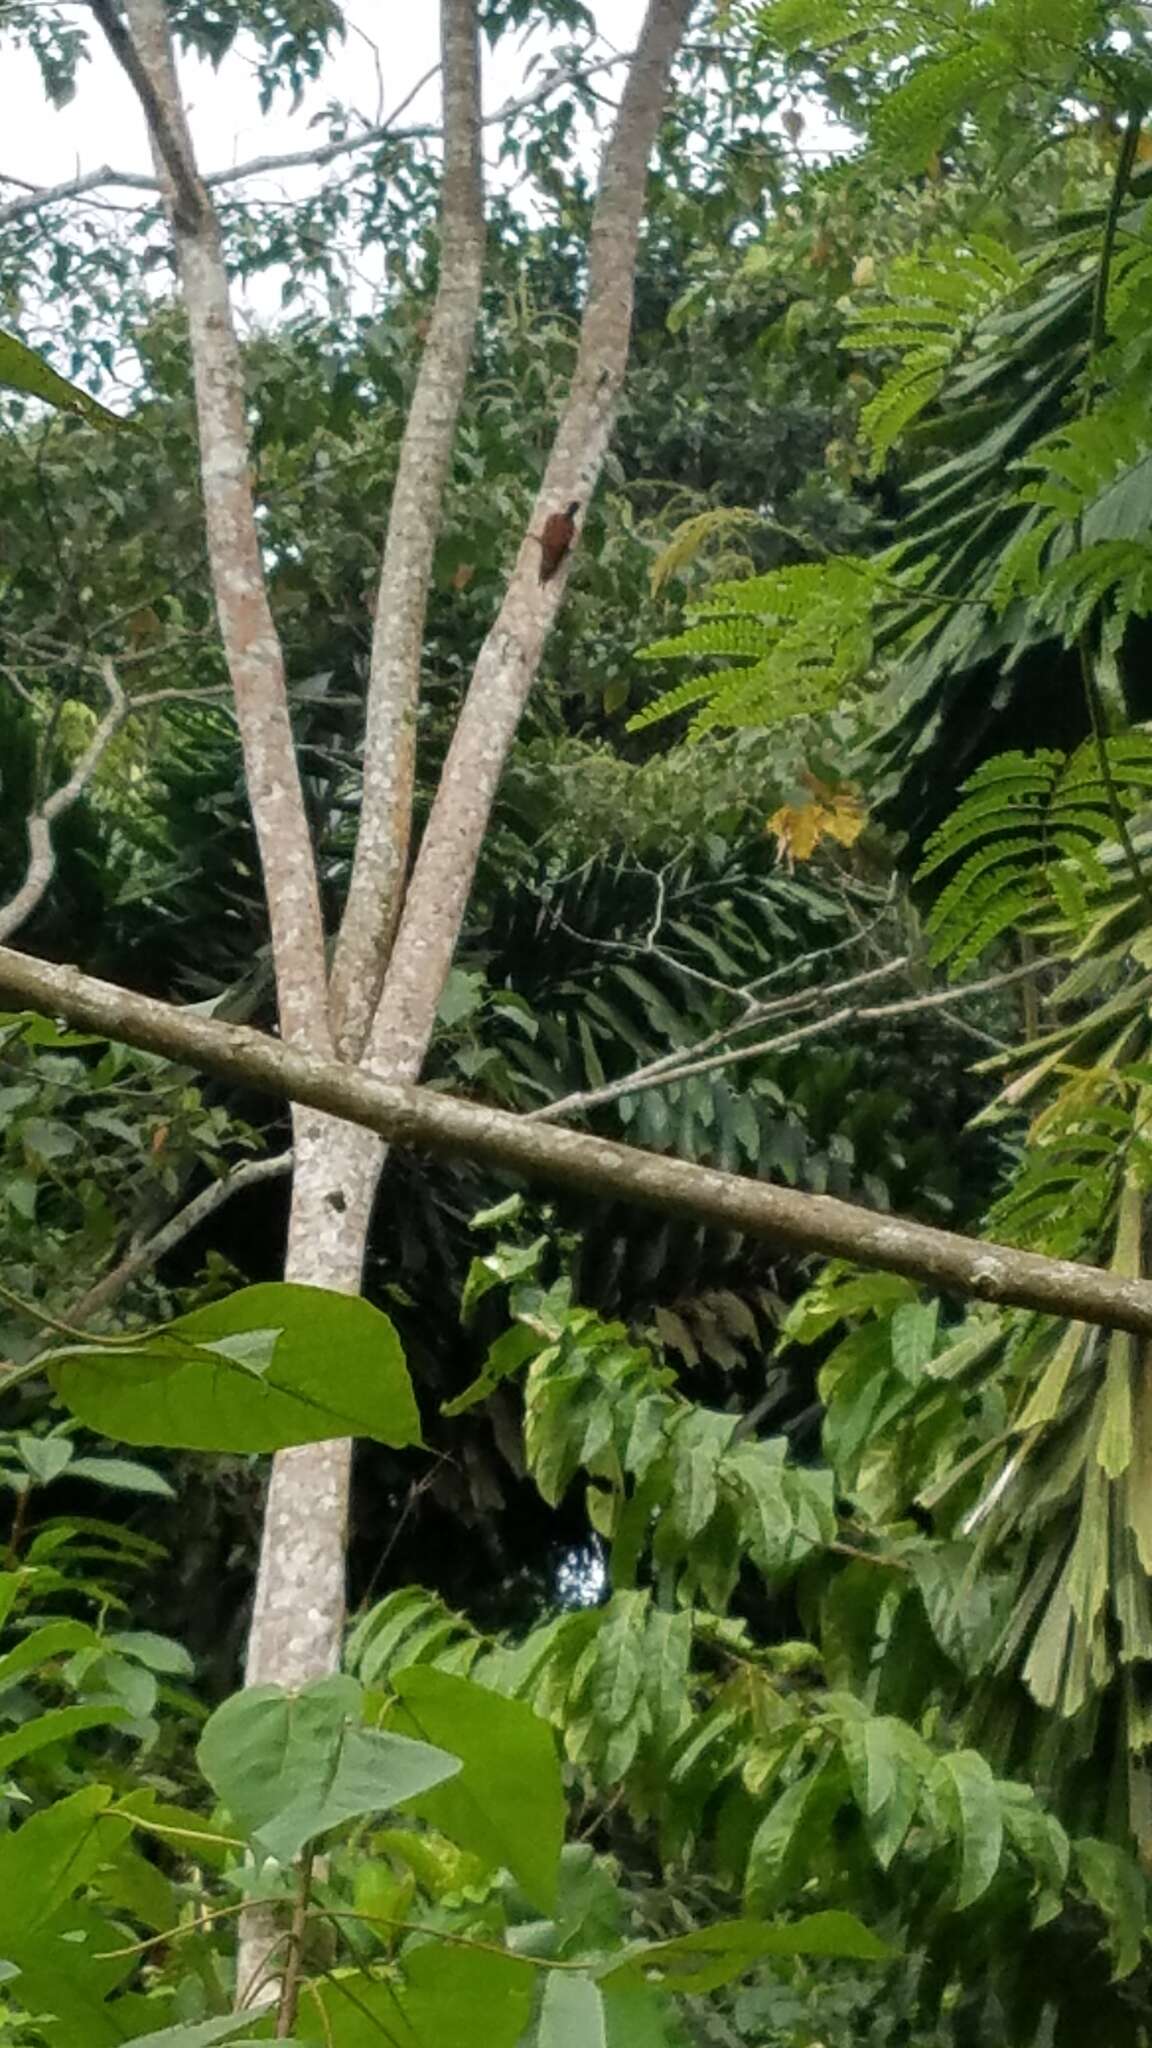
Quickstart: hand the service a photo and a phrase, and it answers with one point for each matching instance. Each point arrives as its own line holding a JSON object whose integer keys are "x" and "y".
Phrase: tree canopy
{"x": 656, "y": 1059}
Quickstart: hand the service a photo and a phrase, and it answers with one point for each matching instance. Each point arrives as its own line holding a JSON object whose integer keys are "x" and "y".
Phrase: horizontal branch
{"x": 37, "y": 198}
{"x": 422, "y": 1120}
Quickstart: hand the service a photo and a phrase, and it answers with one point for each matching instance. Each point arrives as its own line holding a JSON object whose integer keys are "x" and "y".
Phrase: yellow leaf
{"x": 829, "y": 813}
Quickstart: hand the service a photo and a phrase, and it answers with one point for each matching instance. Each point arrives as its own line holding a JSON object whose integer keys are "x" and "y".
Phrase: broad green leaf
{"x": 334, "y": 1369}
{"x": 572, "y": 2013}
{"x": 711, "y": 1956}
{"x": 159, "y": 1653}
{"x": 619, "y": 1658}
{"x": 792, "y": 1834}
{"x": 289, "y": 1766}
{"x": 913, "y": 1333}
{"x": 21, "y": 369}
{"x": 58, "y": 1725}
{"x": 634, "y": 2016}
{"x": 54, "y": 1639}
{"x": 49, "y": 1857}
{"x": 200, "y": 2034}
{"x": 123, "y": 1475}
{"x": 1115, "y": 1884}
{"x": 507, "y": 1803}
{"x": 967, "y": 1800}
{"x": 446, "y": 1997}
{"x": 667, "y": 1656}
{"x": 887, "y": 1763}
{"x": 46, "y": 1457}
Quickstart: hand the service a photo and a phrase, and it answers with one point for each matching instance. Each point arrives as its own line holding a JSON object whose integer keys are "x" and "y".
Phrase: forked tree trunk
{"x": 394, "y": 950}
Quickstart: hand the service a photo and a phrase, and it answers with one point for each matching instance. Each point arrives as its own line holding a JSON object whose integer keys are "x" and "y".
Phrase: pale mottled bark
{"x": 420, "y": 1119}
{"x": 251, "y": 644}
{"x": 381, "y": 856}
{"x": 299, "y": 1611}
{"x": 510, "y": 657}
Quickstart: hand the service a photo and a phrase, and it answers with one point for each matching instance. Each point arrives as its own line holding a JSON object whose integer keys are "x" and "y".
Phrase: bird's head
{"x": 573, "y": 509}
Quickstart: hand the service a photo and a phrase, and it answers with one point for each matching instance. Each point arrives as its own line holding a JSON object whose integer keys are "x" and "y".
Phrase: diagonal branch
{"x": 41, "y": 850}
{"x": 687, "y": 1060}
{"x": 141, "y": 1257}
{"x": 420, "y": 1119}
{"x": 510, "y": 657}
{"x": 251, "y": 644}
{"x": 381, "y": 857}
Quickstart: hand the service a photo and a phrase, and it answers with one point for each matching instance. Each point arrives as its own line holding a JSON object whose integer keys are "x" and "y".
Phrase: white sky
{"x": 390, "y": 45}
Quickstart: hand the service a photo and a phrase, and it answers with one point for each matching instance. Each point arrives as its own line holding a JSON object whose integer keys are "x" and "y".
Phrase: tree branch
{"x": 381, "y": 857}
{"x": 420, "y": 1119}
{"x": 509, "y": 659}
{"x": 41, "y": 850}
{"x": 251, "y": 644}
{"x": 698, "y": 1059}
{"x": 563, "y": 79}
{"x": 253, "y": 1173}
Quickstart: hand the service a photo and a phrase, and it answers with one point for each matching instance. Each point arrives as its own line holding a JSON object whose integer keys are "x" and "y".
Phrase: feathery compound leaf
{"x": 1024, "y": 821}
{"x": 806, "y": 629}
{"x": 691, "y": 537}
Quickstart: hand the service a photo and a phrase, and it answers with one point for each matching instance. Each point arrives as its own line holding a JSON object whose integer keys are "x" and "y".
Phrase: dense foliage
{"x": 792, "y": 1685}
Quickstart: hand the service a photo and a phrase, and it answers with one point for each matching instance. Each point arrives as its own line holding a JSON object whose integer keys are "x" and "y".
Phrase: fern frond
{"x": 693, "y": 691}
{"x": 902, "y": 398}
{"x": 1026, "y": 838}
{"x": 708, "y": 636}
{"x": 693, "y": 535}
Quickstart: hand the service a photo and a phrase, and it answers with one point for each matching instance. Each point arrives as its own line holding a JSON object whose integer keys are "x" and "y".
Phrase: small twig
{"x": 756, "y": 1013}
{"x": 177, "y": 1933}
{"x": 290, "y": 1982}
{"x": 178, "y": 1227}
{"x": 41, "y": 853}
{"x": 681, "y": 1065}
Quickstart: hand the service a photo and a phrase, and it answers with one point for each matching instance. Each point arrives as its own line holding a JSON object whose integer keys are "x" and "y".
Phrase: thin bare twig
{"x": 41, "y": 850}
{"x": 253, "y": 1173}
{"x": 680, "y": 1065}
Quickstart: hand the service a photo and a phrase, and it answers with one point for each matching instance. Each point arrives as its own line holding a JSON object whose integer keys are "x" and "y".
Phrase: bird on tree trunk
{"x": 556, "y": 539}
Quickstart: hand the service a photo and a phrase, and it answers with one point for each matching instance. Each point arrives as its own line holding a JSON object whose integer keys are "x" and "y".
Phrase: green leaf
{"x": 21, "y": 369}
{"x": 54, "y": 1639}
{"x": 201, "y": 2034}
{"x": 56, "y": 1726}
{"x": 966, "y": 1795}
{"x": 1115, "y": 1884}
{"x": 507, "y": 1804}
{"x": 572, "y": 2013}
{"x": 124, "y": 1475}
{"x": 792, "y": 1834}
{"x": 158, "y": 1653}
{"x": 913, "y": 1330}
{"x": 44, "y": 1456}
{"x": 619, "y": 1658}
{"x": 711, "y": 1956}
{"x": 46, "y": 1860}
{"x": 448, "y": 1997}
{"x": 289, "y": 1766}
{"x": 888, "y": 1764}
{"x": 336, "y": 1370}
